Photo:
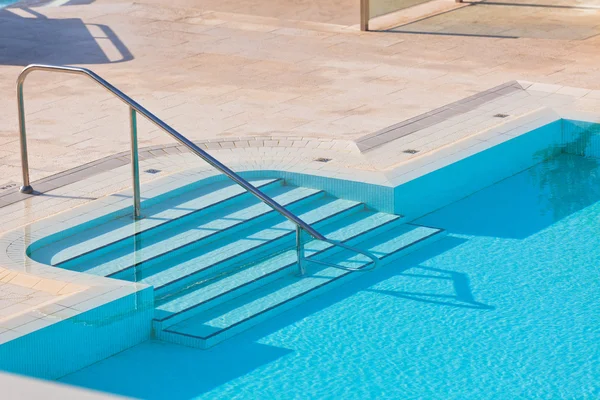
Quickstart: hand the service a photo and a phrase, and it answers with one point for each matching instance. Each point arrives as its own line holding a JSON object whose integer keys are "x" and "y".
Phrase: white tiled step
{"x": 193, "y": 233}
{"x": 217, "y": 324}
{"x": 247, "y": 246}
{"x": 357, "y": 227}
{"x": 195, "y": 201}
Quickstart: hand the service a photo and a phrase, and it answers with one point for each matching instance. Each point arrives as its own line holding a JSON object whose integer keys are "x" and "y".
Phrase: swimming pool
{"x": 504, "y": 306}
{"x": 486, "y": 287}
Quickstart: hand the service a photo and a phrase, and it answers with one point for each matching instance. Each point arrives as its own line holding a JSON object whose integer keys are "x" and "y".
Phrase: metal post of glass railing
{"x": 135, "y": 167}
{"x": 364, "y": 15}
{"x": 300, "y": 250}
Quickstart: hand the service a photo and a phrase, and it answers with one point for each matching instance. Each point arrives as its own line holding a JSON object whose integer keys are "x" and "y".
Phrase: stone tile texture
{"x": 253, "y": 68}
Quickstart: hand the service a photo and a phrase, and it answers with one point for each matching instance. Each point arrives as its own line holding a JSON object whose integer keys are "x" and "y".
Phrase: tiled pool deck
{"x": 259, "y": 92}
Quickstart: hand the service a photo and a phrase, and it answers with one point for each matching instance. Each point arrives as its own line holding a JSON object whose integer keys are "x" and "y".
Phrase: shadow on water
{"x": 156, "y": 370}
{"x": 409, "y": 267}
{"x": 462, "y": 297}
{"x": 27, "y": 37}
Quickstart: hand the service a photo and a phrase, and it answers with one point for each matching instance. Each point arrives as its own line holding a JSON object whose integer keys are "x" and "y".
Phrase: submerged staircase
{"x": 221, "y": 261}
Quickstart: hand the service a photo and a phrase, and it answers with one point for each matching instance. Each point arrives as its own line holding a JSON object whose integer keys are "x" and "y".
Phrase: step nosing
{"x": 223, "y": 231}
{"x": 301, "y": 294}
{"x": 254, "y": 248}
{"x": 162, "y": 224}
{"x": 320, "y": 252}
{"x": 262, "y": 311}
{"x": 438, "y": 231}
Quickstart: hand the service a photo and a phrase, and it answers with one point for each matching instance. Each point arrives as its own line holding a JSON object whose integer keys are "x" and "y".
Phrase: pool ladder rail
{"x": 134, "y": 108}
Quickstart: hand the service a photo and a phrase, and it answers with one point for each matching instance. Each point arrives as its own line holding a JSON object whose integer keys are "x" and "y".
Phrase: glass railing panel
{"x": 378, "y": 8}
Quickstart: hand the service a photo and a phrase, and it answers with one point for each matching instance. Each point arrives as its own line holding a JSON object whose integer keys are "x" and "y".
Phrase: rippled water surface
{"x": 506, "y": 306}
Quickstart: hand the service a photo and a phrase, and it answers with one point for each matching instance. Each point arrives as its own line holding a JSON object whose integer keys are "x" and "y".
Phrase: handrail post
{"x": 135, "y": 167}
{"x": 300, "y": 250}
{"x": 26, "y": 188}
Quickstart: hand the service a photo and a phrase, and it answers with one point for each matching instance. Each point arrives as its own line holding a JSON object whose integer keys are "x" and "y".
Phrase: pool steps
{"x": 205, "y": 199}
{"x": 208, "y": 328}
{"x": 235, "y": 282}
{"x": 221, "y": 261}
{"x": 196, "y": 231}
{"x": 252, "y": 244}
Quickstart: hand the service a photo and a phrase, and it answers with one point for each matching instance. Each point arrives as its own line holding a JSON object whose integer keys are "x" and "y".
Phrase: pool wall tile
{"x": 462, "y": 178}
{"x": 581, "y": 138}
{"x": 377, "y": 197}
{"x": 69, "y": 345}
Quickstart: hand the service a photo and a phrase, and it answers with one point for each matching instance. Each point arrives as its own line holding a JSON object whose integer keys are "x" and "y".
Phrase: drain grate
{"x": 410, "y": 151}
{"x": 152, "y": 171}
{"x": 500, "y": 115}
{"x": 322, "y": 159}
{"x": 7, "y": 186}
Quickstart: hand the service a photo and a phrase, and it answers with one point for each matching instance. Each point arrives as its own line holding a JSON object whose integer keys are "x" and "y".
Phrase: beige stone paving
{"x": 341, "y": 12}
{"x": 213, "y": 69}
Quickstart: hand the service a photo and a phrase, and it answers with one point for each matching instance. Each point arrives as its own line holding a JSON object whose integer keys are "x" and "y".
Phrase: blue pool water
{"x": 504, "y": 306}
{"x": 6, "y": 3}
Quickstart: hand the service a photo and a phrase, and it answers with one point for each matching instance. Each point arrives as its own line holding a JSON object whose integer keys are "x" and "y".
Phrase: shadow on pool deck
{"x": 33, "y": 38}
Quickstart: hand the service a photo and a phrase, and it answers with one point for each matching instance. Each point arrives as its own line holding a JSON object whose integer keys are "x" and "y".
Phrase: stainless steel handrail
{"x": 136, "y": 107}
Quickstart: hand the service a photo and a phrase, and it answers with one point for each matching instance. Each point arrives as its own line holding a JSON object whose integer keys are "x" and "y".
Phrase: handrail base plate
{"x": 27, "y": 189}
